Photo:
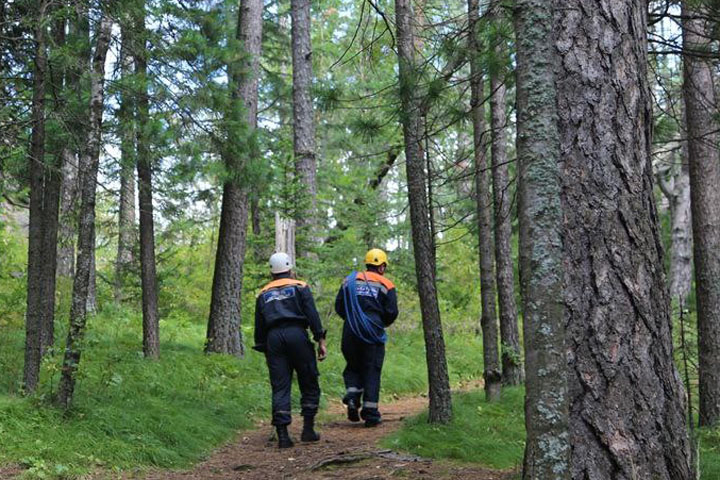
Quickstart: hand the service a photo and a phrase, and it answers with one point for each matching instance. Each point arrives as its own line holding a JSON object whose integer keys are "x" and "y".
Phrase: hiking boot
{"x": 284, "y": 440}
{"x": 352, "y": 411}
{"x": 372, "y": 422}
{"x": 308, "y": 432}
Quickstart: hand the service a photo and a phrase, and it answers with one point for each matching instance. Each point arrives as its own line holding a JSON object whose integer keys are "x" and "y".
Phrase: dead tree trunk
{"x": 627, "y": 412}
{"x": 673, "y": 177}
{"x": 704, "y": 160}
{"x": 440, "y": 405}
{"x": 223, "y": 333}
{"x": 36, "y": 167}
{"x": 488, "y": 319}
{"x": 547, "y": 447}
{"x": 303, "y": 118}
{"x": 285, "y": 236}
{"x": 151, "y": 329}
{"x": 86, "y": 231}
{"x": 126, "y": 120}
{"x": 512, "y": 373}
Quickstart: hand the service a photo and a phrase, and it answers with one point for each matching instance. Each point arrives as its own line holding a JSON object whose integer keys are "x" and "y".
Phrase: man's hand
{"x": 322, "y": 350}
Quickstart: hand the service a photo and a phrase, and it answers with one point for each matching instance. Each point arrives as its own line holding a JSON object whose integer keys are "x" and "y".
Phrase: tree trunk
{"x": 126, "y": 120}
{"x": 91, "y": 303}
{"x": 79, "y": 35}
{"x": 86, "y": 231}
{"x": 36, "y": 163}
{"x": 285, "y": 236}
{"x": 303, "y": 118}
{"x": 512, "y": 373}
{"x": 151, "y": 334}
{"x": 547, "y": 446}
{"x": 673, "y": 175}
{"x": 68, "y": 202}
{"x": 440, "y": 405}
{"x": 223, "y": 334}
{"x": 627, "y": 412}
{"x": 488, "y": 319}
{"x": 681, "y": 236}
{"x": 702, "y": 128}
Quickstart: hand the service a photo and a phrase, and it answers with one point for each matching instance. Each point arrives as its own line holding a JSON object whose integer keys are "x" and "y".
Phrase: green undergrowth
{"x": 132, "y": 413}
{"x": 709, "y": 454}
{"x": 492, "y": 434}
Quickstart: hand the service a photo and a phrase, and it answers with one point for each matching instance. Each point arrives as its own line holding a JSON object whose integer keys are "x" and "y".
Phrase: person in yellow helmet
{"x": 367, "y": 302}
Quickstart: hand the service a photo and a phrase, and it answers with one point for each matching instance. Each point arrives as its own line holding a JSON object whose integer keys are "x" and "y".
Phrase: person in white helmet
{"x": 284, "y": 309}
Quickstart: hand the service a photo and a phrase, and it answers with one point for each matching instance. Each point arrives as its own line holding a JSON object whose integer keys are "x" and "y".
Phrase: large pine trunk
{"x": 512, "y": 373}
{"x": 702, "y": 132}
{"x": 547, "y": 446}
{"x": 126, "y": 124}
{"x": 36, "y": 167}
{"x": 223, "y": 333}
{"x": 627, "y": 412}
{"x": 86, "y": 228}
{"x": 151, "y": 333}
{"x": 440, "y": 405}
{"x": 483, "y": 195}
{"x": 303, "y": 119}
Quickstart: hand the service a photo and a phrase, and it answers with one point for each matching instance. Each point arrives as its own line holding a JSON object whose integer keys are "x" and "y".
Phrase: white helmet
{"x": 280, "y": 263}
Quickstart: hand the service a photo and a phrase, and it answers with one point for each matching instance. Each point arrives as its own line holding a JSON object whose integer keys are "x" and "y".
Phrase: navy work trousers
{"x": 289, "y": 349}
{"x": 362, "y": 373}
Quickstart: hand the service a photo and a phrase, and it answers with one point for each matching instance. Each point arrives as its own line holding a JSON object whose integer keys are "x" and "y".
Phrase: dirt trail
{"x": 346, "y": 450}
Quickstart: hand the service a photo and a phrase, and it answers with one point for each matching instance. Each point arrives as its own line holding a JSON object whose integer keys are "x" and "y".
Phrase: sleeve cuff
{"x": 320, "y": 336}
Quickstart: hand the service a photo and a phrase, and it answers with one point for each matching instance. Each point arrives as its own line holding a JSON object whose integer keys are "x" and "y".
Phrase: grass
{"x": 492, "y": 434}
{"x": 132, "y": 413}
{"x": 709, "y": 454}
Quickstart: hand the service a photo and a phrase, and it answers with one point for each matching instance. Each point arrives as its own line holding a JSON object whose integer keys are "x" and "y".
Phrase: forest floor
{"x": 346, "y": 450}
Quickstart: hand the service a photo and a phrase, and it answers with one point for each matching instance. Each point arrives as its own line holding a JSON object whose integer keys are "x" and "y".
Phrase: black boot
{"x": 308, "y": 432}
{"x": 283, "y": 437}
{"x": 352, "y": 410}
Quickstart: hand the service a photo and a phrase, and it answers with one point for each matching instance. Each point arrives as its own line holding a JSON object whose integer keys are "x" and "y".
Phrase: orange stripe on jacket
{"x": 283, "y": 282}
{"x": 376, "y": 277}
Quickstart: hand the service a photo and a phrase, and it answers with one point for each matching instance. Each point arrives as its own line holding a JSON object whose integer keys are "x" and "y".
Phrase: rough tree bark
{"x": 488, "y": 319}
{"x": 512, "y": 372}
{"x": 151, "y": 333}
{"x": 627, "y": 412}
{"x": 36, "y": 168}
{"x": 702, "y": 131}
{"x": 58, "y": 151}
{"x": 127, "y": 133}
{"x": 440, "y": 407}
{"x": 86, "y": 228}
{"x": 223, "y": 334}
{"x": 547, "y": 447}
{"x": 303, "y": 117}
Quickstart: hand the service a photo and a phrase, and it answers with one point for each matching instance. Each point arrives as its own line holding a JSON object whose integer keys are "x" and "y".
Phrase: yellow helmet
{"x": 375, "y": 257}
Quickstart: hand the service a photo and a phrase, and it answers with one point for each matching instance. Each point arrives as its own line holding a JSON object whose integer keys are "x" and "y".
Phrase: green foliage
{"x": 492, "y": 434}
{"x": 132, "y": 413}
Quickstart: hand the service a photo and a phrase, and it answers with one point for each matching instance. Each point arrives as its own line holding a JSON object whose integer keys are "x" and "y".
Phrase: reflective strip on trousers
{"x": 370, "y": 404}
{"x": 354, "y": 390}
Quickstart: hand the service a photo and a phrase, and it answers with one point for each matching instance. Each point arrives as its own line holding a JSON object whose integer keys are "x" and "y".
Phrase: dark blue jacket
{"x": 376, "y": 295}
{"x": 282, "y": 302}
